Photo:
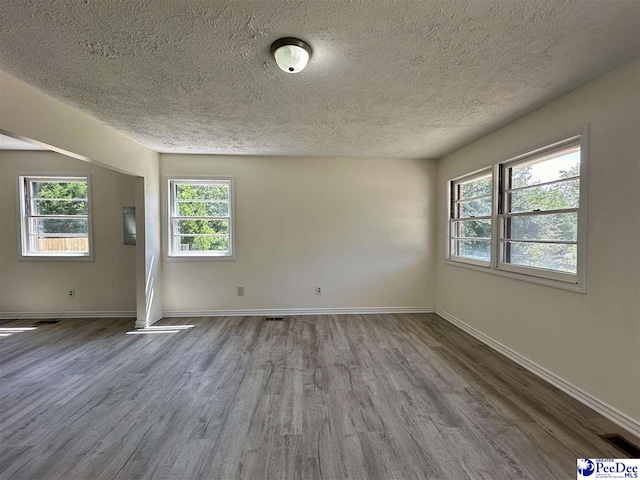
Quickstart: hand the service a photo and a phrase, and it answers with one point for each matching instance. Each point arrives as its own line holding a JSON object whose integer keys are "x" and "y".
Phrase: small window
{"x": 201, "y": 218}
{"x": 470, "y": 221}
{"x": 55, "y": 216}
{"x": 539, "y": 210}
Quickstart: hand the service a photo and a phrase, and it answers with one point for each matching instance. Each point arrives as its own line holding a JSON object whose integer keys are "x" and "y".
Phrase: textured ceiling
{"x": 387, "y": 78}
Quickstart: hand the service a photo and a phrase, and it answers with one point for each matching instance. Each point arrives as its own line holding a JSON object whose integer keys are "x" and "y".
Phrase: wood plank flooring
{"x": 358, "y": 396}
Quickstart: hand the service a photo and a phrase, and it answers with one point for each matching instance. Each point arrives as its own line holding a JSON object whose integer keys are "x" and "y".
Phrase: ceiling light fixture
{"x": 291, "y": 54}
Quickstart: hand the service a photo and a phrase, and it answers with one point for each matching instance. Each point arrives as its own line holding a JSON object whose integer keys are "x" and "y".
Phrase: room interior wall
{"x": 31, "y": 113}
{"x": 590, "y": 340}
{"x": 105, "y": 285}
{"x": 374, "y": 245}
{"x": 363, "y": 229}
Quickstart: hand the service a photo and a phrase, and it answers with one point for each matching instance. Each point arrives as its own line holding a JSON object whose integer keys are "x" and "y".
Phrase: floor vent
{"x": 273, "y": 319}
{"x": 46, "y": 322}
{"x": 622, "y": 444}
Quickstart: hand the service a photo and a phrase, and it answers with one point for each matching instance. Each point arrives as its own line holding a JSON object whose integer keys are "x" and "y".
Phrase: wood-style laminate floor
{"x": 357, "y": 396}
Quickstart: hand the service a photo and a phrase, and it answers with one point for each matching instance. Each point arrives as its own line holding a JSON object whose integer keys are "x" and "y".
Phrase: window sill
{"x": 199, "y": 258}
{"x": 56, "y": 258}
{"x": 547, "y": 282}
{"x": 469, "y": 261}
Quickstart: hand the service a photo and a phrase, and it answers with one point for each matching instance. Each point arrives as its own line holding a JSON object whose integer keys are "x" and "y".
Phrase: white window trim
{"x": 575, "y": 283}
{"x": 170, "y": 255}
{"x": 22, "y": 229}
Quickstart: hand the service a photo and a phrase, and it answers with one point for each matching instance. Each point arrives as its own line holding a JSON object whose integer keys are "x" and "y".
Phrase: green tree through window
{"x": 561, "y": 226}
{"x": 201, "y": 217}
{"x": 57, "y": 216}
{"x": 471, "y": 211}
{"x": 559, "y": 191}
{"x": 60, "y": 199}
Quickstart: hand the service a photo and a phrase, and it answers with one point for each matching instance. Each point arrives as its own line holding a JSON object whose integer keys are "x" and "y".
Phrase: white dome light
{"x": 291, "y": 54}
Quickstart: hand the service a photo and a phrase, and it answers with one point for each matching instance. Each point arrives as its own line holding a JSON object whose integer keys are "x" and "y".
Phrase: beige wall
{"x": 106, "y": 284}
{"x": 591, "y": 340}
{"x": 361, "y": 228}
{"x": 30, "y": 113}
{"x": 364, "y": 230}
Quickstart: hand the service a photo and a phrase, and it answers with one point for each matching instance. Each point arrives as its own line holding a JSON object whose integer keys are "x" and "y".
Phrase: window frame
{"x": 552, "y": 278}
{"x": 171, "y": 217}
{"x": 453, "y": 200}
{"x": 502, "y": 215}
{"x": 23, "y": 217}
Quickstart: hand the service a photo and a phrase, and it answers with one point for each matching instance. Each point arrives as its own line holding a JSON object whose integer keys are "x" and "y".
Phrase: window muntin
{"x": 200, "y": 222}
{"x": 470, "y": 221}
{"x": 540, "y": 201}
{"x": 55, "y": 216}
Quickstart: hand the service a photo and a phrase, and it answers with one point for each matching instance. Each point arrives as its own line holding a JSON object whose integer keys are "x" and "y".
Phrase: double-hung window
{"x": 201, "y": 218}
{"x": 470, "y": 220}
{"x": 539, "y": 206}
{"x": 525, "y": 217}
{"x": 54, "y": 214}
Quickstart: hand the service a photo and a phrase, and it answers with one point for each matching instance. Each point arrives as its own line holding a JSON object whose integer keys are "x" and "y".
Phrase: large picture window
{"x": 55, "y": 216}
{"x": 201, "y": 218}
{"x": 538, "y": 226}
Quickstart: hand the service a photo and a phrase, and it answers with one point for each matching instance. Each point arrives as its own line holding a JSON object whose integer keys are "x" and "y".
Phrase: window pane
{"x": 547, "y": 197}
{"x": 77, "y": 244}
{"x": 475, "y": 188}
{"x": 202, "y": 227}
{"x": 203, "y": 209}
{"x": 565, "y": 165}
{"x": 202, "y": 244}
{"x": 59, "y": 207}
{"x": 58, "y": 226}
{"x": 474, "y": 208}
{"x": 47, "y": 200}
{"x": 473, "y": 249}
{"x": 555, "y": 226}
{"x": 472, "y": 228}
{"x": 53, "y": 189}
{"x": 558, "y": 257}
{"x": 206, "y": 235}
{"x": 202, "y": 191}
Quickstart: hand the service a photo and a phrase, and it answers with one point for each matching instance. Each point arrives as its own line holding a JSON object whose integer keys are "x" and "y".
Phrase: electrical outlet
{"x": 241, "y": 291}
{"x": 318, "y": 289}
{"x": 71, "y": 293}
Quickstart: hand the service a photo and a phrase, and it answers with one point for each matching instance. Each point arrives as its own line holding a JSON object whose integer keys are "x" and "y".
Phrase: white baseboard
{"x": 153, "y": 319}
{"x": 616, "y": 416}
{"x": 298, "y": 311}
{"x": 76, "y": 314}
